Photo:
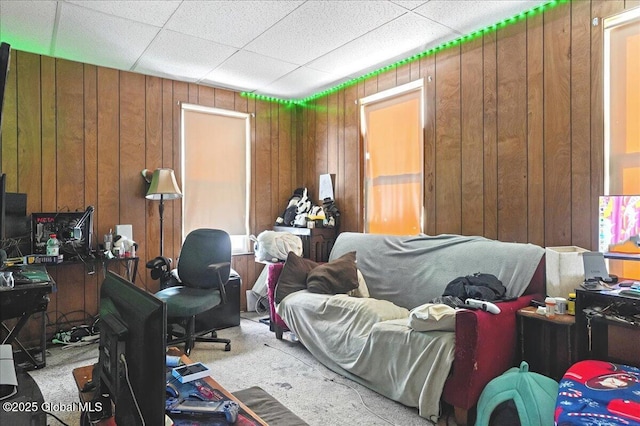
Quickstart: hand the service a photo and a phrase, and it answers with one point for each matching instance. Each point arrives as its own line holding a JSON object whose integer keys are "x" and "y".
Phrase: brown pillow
{"x": 293, "y": 276}
{"x": 338, "y": 276}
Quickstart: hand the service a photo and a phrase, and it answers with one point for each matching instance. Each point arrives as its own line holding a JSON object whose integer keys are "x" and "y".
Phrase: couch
{"x": 369, "y": 339}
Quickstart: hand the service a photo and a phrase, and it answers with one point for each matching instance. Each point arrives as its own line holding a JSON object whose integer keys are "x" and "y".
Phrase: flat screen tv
{"x": 5, "y": 55}
{"x": 618, "y": 221}
{"x": 132, "y": 359}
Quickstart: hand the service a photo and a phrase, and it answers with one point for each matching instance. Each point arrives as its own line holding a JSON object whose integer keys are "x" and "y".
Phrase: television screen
{"x": 618, "y": 221}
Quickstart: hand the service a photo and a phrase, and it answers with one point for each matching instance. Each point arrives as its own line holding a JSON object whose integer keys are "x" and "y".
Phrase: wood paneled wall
{"x": 75, "y": 135}
{"x": 513, "y": 131}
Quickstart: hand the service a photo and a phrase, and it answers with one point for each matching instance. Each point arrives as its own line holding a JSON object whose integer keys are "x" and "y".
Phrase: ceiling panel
{"x": 248, "y": 71}
{"x": 405, "y": 34}
{"x": 301, "y": 83}
{"x": 317, "y": 27}
{"x": 152, "y": 12}
{"x": 181, "y": 55}
{"x": 95, "y": 38}
{"x": 28, "y": 26}
{"x": 468, "y": 16}
{"x": 234, "y": 23}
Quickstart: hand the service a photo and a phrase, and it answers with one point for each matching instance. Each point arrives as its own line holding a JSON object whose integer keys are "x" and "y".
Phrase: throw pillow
{"x": 338, "y": 276}
{"x": 362, "y": 290}
{"x": 432, "y": 316}
{"x": 293, "y": 276}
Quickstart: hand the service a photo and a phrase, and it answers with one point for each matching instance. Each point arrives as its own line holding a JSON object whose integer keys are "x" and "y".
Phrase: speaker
{"x": 224, "y": 316}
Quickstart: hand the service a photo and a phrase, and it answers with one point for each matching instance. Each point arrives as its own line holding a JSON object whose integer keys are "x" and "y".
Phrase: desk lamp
{"x": 163, "y": 187}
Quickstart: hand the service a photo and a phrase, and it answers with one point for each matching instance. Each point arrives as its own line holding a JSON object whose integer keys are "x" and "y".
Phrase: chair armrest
{"x": 485, "y": 348}
{"x": 216, "y": 268}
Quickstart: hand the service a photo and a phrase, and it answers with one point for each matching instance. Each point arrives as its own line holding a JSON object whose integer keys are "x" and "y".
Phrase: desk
{"x": 130, "y": 264}
{"x": 83, "y": 374}
{"x": 22, "y": 301}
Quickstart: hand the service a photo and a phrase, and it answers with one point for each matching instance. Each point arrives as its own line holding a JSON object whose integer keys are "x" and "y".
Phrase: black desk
{"x": 21, "y": 302}
{"x": 130, "y": 263}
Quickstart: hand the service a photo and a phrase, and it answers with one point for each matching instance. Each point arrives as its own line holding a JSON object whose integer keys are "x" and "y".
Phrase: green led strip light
{"x": 479, "y": 33}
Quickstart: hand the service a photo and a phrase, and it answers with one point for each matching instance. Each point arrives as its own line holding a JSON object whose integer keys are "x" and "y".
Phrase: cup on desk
{"x": 6, "y": 280}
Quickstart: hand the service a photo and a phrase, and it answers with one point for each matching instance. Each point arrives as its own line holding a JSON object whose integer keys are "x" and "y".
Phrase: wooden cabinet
{"x": 316, "y": 242}
{"x": 547, "y": 344}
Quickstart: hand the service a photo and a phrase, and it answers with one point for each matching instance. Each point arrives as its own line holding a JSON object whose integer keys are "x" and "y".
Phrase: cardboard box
{"x": 565, "y": 270}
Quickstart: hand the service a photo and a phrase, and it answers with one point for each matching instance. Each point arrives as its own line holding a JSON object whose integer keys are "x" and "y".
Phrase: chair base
{"x": 189, "y": 337}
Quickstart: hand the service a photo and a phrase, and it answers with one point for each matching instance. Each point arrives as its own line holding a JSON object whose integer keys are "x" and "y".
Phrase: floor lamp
{"x": 163, "y": 187}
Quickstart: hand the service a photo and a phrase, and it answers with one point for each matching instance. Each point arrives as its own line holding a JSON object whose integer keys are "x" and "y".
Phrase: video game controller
{"x": 484, "y": 305}
{"x": 196, "y": 407}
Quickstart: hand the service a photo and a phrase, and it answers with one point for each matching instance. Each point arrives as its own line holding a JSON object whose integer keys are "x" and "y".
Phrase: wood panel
{"x": 512, "y": 134}
{"x": 557, "y": 126}
{"x": 472, "y": 138}
{"x": 490, "y": 134}
{"x": 448, "y": 142}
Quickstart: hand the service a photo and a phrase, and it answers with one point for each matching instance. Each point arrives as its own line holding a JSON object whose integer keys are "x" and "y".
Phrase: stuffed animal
{"x": 289, "y": 214}
{"x": 272, "y": 246}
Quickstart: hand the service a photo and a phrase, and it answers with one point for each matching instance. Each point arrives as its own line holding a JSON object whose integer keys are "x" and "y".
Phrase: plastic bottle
{"x": 53, "y": 246}
{"x": 571, "y": 304}
{"x": 550, "y": 304}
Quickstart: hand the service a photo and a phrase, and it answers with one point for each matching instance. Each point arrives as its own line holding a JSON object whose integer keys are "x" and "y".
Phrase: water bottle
{"x": 53, "y": 246}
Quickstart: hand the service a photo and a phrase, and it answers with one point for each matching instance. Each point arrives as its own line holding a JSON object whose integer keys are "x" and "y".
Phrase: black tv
{"x": 132, "y": 359}
{"x": 5, "y": 56}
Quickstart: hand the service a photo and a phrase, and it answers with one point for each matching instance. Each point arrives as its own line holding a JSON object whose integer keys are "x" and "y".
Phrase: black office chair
{"x": 203, "y": 269}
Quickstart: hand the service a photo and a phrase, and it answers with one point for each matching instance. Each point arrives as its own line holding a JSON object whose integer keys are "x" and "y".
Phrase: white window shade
{"x": 215, "y": 170}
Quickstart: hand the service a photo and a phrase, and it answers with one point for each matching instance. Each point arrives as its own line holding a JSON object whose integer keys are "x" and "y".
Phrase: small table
{"x": 84, "y": 374}
{"x": 547, "y": 343}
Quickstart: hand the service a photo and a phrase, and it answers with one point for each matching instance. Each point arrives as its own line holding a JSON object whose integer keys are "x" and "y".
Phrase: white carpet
{"x": 284, "y": 369}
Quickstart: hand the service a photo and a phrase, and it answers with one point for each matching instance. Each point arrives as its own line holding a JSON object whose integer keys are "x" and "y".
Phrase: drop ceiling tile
{"x": 318, "y": 27}
{"x": 247, "y": 71}
{"x": 409, "y": 4}
{"x": 182, "y": 57}
{"x": 28, "y": 25}
{"x": 95, "y": 38}
{"x": 300, "y": 83}
{"x": 152, "y": 12}
{"x": 234, "y": 23}
{"x": 399, "y": 39}
{"x": 468, "y": 16}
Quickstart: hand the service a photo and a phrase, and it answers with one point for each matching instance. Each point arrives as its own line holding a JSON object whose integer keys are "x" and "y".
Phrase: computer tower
{"x": 224, "y": 316}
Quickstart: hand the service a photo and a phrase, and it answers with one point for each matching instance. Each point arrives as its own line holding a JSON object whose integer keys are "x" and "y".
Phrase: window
{"x": 216, "y": 172}
{"x": 622, "y": 116}
{"x": 392, "y": 128}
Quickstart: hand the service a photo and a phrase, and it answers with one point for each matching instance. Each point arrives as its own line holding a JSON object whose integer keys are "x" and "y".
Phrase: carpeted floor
{"x": 284, "y": 369}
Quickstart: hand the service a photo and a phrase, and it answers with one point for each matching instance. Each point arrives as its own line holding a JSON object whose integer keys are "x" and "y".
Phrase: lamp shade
{"x": 163, "y": 186}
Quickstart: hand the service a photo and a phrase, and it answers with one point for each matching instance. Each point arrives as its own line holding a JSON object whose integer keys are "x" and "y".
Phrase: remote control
{"x": 484, "y": 305}
{"x": 228, "y": 409}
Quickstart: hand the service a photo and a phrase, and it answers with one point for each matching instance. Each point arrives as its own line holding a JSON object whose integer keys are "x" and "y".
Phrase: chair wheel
{"x": 227, "y": 347}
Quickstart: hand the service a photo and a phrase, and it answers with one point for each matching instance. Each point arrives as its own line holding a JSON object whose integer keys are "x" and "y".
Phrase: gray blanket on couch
{"x": 410, "y": 271}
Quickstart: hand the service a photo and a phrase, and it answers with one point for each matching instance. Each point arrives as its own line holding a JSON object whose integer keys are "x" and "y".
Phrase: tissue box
{"x": 565, "y": 270}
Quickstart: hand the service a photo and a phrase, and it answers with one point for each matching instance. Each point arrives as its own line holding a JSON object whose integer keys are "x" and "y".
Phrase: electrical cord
{"x": 330, "y": 379}
{"x": 49, "y": 413}
{"x": 133, "y": 395}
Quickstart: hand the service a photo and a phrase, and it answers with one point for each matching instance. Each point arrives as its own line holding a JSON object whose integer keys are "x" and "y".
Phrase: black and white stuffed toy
{"x": 295, "y": 214}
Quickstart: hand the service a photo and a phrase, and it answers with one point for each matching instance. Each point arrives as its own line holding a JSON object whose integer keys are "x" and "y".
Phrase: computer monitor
{"x": 132, "y": 360}
{"x": 618, "y": 221}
